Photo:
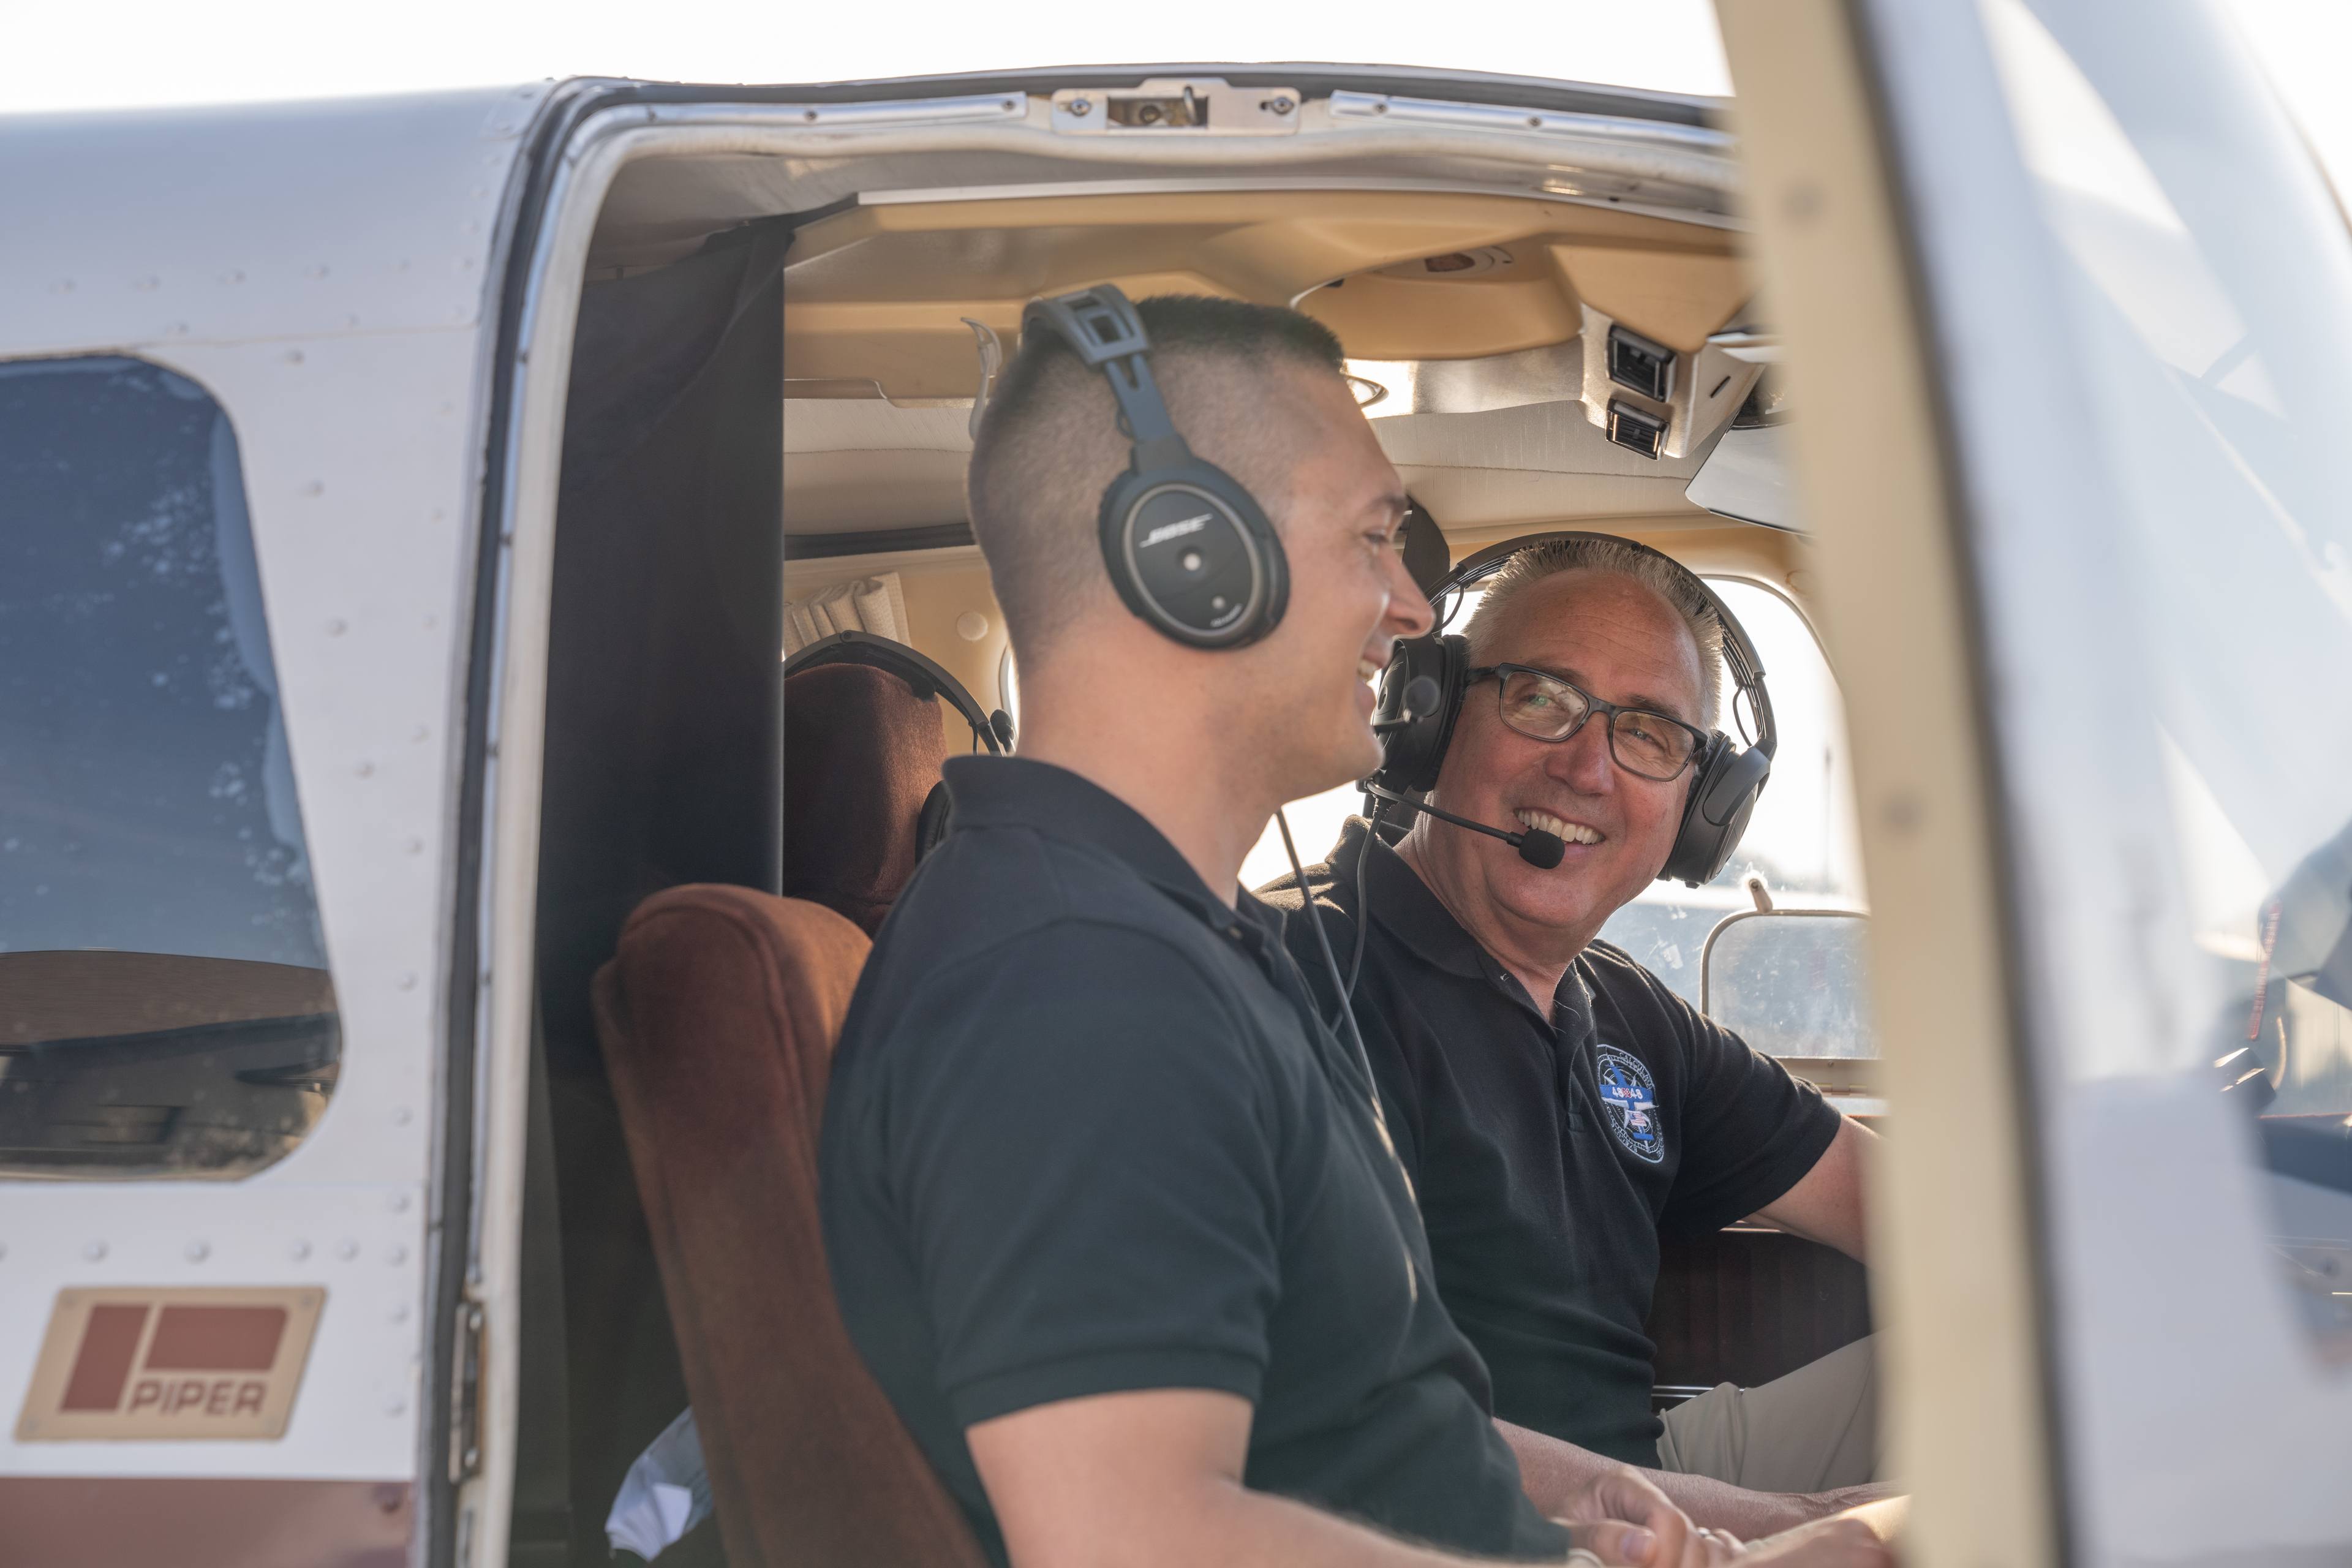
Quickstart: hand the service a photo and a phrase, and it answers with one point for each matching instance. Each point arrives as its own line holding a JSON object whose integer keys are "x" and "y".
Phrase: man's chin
{"x": 1358, "y": 758}
{"x": 1561, "y": 896}
{"x": 1343, "y": 763}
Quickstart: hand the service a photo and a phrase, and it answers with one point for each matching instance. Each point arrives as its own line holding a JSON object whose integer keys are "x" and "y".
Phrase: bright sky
{"x": 138, "y": 52}
{"x": 143, "y": 52}
{"x": 166, "y": 51}
{"x": 148, "y": 52}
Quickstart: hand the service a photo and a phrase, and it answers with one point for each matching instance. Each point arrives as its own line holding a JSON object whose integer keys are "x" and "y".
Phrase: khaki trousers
{"x": 1813, "y": 1430}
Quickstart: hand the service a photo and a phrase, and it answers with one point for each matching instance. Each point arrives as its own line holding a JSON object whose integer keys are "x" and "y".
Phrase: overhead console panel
{"x": 880, "y": 292}
{"x": 1583, "y": 345}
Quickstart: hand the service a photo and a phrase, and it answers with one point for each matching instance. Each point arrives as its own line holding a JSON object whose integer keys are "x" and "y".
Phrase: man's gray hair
{"x": 1662, "y": 577}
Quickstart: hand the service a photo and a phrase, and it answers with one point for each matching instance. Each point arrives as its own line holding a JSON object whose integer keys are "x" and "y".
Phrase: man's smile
{"x": 1559, "y": 827}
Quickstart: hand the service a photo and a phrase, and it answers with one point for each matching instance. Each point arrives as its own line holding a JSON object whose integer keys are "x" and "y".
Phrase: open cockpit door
{"x": 732, "y": 352}
{"x": 2067, "y": 303}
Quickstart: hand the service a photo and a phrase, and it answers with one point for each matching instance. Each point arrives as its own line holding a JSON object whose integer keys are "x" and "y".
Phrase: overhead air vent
{"x": 1635, "y": 430}
{"x": 1640, "y": 366}
{"x": 1452, "y": 264}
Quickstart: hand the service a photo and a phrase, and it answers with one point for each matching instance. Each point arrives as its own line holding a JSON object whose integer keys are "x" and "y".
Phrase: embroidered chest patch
{"x": 1628, "y": 1099}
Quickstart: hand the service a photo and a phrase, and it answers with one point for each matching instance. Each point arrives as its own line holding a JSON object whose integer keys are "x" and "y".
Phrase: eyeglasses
{"x": 1543, "y": 706}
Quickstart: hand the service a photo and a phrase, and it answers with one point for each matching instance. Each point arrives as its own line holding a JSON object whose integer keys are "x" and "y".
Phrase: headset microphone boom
{"x": 1536, "y": 847}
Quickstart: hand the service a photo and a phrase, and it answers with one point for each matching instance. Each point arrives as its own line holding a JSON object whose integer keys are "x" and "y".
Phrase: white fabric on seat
{"x": 876, "y": 604}
{"x": 666, "y": 1493}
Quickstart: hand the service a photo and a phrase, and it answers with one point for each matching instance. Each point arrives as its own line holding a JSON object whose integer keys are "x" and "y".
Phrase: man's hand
{"x": 1619, "y": 1515}
{"x": 1844, "y": 1542}
{"x": 1152, "y": 1479}
{"x": 1557, "y": 1475}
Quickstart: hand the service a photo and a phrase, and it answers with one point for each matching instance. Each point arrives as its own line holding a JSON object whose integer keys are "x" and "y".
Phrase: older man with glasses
{"x": 1557, "y": 1108}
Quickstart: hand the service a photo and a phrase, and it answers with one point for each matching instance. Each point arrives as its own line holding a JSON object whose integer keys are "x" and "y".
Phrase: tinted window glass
{"x": 165, "y": 1003}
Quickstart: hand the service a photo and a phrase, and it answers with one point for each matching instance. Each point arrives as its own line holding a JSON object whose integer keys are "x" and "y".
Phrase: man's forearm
{"x": 1218, "y": 1521}
{"x": 1550, "y": 1469}
{"x": 1749, "y": 1515}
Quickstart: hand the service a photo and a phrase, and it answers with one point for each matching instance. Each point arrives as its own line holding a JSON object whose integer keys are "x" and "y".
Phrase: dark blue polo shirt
{"x": 1553, "y": 1146}
{"x": 1086, "y": 1134}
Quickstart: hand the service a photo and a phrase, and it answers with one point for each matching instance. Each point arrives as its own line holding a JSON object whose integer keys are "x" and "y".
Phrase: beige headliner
{"x": 874, "y": 298}
{"x": 856, "y": 465}
{"x": 880, "y": 292}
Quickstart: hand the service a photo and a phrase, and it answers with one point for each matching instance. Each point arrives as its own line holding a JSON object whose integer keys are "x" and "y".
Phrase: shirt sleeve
{"x": 1083, "y": 1156}
{"x": 1749, "y": 1131}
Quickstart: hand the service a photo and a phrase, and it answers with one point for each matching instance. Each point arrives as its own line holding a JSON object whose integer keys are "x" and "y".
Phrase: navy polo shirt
{"x": 1553, "y": 1146}
{"x": 1086, "y": 1134}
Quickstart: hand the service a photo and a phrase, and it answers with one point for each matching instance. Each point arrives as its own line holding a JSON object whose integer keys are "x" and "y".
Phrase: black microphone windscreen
{"x": 1422, "y": 697}
{"x": 1541, "y": 849}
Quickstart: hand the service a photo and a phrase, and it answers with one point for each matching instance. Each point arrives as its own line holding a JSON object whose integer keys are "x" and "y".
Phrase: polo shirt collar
{"x": 1019, "y": 792}
{"x": 1403, "y": 903}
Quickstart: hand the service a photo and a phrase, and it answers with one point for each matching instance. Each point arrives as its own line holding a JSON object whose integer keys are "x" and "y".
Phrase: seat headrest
{"x": 861, "y": 753}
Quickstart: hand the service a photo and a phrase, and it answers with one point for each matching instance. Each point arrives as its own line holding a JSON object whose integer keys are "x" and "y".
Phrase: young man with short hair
{"x": 1111, "y": 1215}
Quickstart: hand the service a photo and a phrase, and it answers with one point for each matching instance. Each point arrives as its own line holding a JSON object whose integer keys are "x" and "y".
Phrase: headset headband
{"x": 912, "y": 666}
{"x": 1725, "y": 778}
{"x": 1101, "y": 326}
{"x": 1189, "y": 550}
{"x": 1738, "y": 653}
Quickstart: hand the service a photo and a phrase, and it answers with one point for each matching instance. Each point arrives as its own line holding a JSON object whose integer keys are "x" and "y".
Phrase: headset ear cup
{"x": 1411, "y": 754}
{"x": 1194, "y": 556}
{"x": 1722, "y": 797}
{"x": 931, "y": 823}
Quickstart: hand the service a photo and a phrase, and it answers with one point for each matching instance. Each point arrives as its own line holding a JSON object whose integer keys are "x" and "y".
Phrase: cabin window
{"x": 165, "y": 1003}
{"x": 1801, "y": 842}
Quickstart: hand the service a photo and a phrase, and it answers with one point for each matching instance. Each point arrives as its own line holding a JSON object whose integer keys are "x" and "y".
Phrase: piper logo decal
{"x": 178, "y": 1363}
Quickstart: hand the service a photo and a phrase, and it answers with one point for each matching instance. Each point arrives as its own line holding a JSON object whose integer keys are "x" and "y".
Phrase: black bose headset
{"x": 1725, "y": 779}
{"x": 1188, "y": 547}
{"x": 926, "y": 679}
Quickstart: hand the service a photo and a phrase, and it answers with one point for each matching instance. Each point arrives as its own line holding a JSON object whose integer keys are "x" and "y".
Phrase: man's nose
{"x": 1408, "y": 613}
{"x": 1582, "y": 762}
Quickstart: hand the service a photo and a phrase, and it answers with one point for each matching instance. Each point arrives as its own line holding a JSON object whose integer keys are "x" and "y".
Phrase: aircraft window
{"x": 1801, "y": 841}
{"x": 165, "y": 1003}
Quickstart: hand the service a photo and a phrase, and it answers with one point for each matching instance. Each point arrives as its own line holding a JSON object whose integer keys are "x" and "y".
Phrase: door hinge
{"x": 1203, "y": 106}
{"x": 465, "y": 1397}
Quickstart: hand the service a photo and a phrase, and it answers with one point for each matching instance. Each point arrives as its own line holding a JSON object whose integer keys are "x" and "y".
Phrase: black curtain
{"x": 663, "y": 766}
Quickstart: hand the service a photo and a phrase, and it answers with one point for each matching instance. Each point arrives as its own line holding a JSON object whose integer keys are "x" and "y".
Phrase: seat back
{"x": 718, "y": 1017}
{"x": 862, "y": 753}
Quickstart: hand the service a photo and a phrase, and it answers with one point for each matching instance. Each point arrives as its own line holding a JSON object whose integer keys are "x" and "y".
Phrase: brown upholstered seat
{"x": 717, "y": 1019}
{"x": 861, "y": 753}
